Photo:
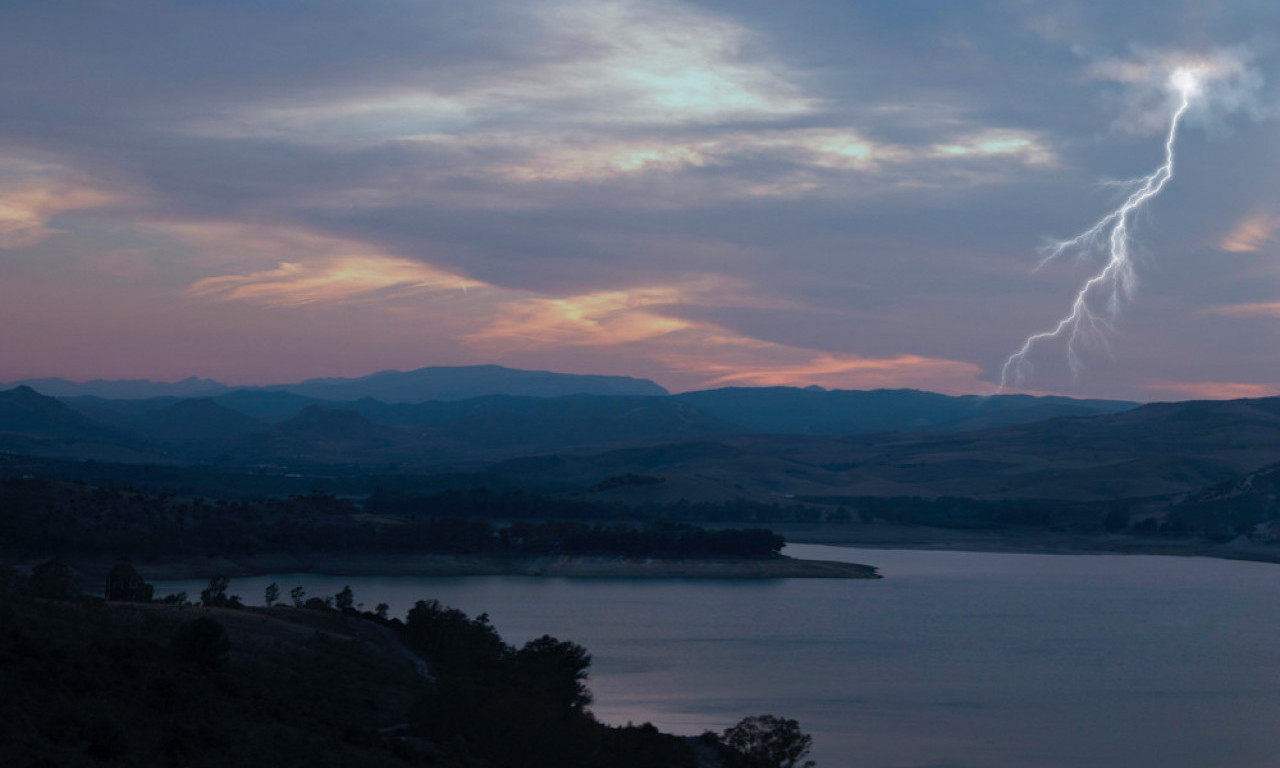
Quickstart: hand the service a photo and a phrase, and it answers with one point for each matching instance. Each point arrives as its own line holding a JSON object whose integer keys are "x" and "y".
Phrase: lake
{"x": 953, "y": 660}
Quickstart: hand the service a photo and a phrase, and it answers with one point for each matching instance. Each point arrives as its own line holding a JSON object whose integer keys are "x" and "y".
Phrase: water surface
{"x": 954, "y": 660}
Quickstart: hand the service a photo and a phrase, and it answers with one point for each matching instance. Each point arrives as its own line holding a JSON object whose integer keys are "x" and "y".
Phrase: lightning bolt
{"x": 1116, "y": 280}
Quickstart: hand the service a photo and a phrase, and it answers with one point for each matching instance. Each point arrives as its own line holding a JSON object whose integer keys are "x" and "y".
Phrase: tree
{"x": 555, "y": 671}
{"x": 53, "y": 580}
{"x": 381, "y": 610}
{"x": 318, "y": 604}
{"x": 272, "y": 594}
{"x": 345, "y": 599}
{"x": 298, "y": 596}
{"x": 125, "y": 584}
{"x": 215, "y": 595}
{"x": 766, "y": 741}
{"x": 216, "y": 592}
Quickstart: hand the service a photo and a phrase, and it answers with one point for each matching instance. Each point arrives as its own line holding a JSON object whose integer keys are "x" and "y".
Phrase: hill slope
{"x": 794, "y": 411}
{"x": 1157, "y": 449}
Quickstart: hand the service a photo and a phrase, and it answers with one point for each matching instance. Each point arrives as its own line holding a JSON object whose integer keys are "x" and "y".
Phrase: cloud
{"x": 602, "y": 318}
{"x": 1213, "y": 390}
{"x": 846, "y": 371}
{"x": 1255, "y": 309}
{"x": 641, "y": 321}
{"x": 1250, "y": 233}
{"x": 994, "y": 142}
{"x": 1223, "y": 81}
{"x": 619, "y": 89}
{"x": 587, "y": 63}
{"x": 339, "y": 279}
{"x": 798, "y": 160}
{"x": 27, "y": 206}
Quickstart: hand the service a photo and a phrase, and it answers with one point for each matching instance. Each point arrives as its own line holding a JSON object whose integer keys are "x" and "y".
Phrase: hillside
{"x": 1156, "y": 449}
{"x": 33, "y": 424}
{"x": 810, "y": 411}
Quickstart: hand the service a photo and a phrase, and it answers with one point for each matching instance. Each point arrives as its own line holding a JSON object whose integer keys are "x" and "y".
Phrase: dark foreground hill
{"x": 89, "y": 683}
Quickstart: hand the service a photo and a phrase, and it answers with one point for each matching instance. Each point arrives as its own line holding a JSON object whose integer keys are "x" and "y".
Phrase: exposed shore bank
{"x": 1016, "y": 541}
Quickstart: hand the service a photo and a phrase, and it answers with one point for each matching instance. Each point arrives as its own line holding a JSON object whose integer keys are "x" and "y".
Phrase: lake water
{"x": 954, "y": 660}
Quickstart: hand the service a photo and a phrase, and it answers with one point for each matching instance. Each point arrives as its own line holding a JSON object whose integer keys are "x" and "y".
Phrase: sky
{"x": 845, "y": 194}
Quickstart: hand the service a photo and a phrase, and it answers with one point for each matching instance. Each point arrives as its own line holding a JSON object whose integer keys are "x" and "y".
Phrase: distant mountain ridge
{"x": 465, "y": 382}
{"x": 898, "y": 443}
{"x": 123, "y": 389}
{"x": 252, "y": 425}
{"x": 423, "y": 384}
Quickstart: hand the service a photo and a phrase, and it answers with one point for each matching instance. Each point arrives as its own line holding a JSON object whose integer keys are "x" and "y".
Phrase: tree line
{"x": 51, "y": 518}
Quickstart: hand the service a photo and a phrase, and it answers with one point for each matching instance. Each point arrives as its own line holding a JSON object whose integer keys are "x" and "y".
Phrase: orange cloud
{"x": 1250, "y": 233}
{"x": 1256, "y": 309}
{"x": 1214, "y": 390}
{"x": 592, "y": 319}
{"x": 634, "y": 320}
{"x": 344, "y": 278}
{"x": 27, "y": 206}
{"x": 856, "y": 372}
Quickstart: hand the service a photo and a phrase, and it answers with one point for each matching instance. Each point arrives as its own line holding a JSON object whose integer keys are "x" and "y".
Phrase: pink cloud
{"x": 1213, "y": 390}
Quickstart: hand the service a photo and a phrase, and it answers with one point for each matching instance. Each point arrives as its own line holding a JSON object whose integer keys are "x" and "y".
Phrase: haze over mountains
{"x": 432, "y": 383}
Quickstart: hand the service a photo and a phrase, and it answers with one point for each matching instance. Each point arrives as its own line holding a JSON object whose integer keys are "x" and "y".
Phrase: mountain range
{"x": 432, "y": 383}
{"x": 766, "y": 443}
{"x": 265, "y": 424}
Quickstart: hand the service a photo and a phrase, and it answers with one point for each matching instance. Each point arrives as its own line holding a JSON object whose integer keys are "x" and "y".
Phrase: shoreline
{"x": 446, "y": 566}
{"x": 883, "y": 536}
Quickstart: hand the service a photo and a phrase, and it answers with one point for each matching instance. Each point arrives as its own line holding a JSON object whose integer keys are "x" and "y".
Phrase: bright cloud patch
{"x": 26, "y": 207}
{"x": 345, "y": 278}
{"x": 1019, "y": 145}
{"x": 704, "y": 352}
{"x": 1213, "y": 390}
{"x": 1255, "y": 309}
{"x": 856, "y": 372}
{"x": 592, "y": 319}
{"x": 665, "y": 62}
{"x": 1250, "y": 233}
{"x": 595, "y": 63}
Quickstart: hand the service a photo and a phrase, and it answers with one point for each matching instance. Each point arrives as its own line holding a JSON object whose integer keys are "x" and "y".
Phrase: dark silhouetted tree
{"x": 215, "y": 595}
{"x": 766, "y": 741}
{"x": 53, "y": 580}
{"x": 555, "y": 671}
{"x": 125, "y": 584}
{"x": 216, "y": 592}
{"x": 298, "y": 596}
{"x": 271, "y": 595}
{"x": 345, "y": 600}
